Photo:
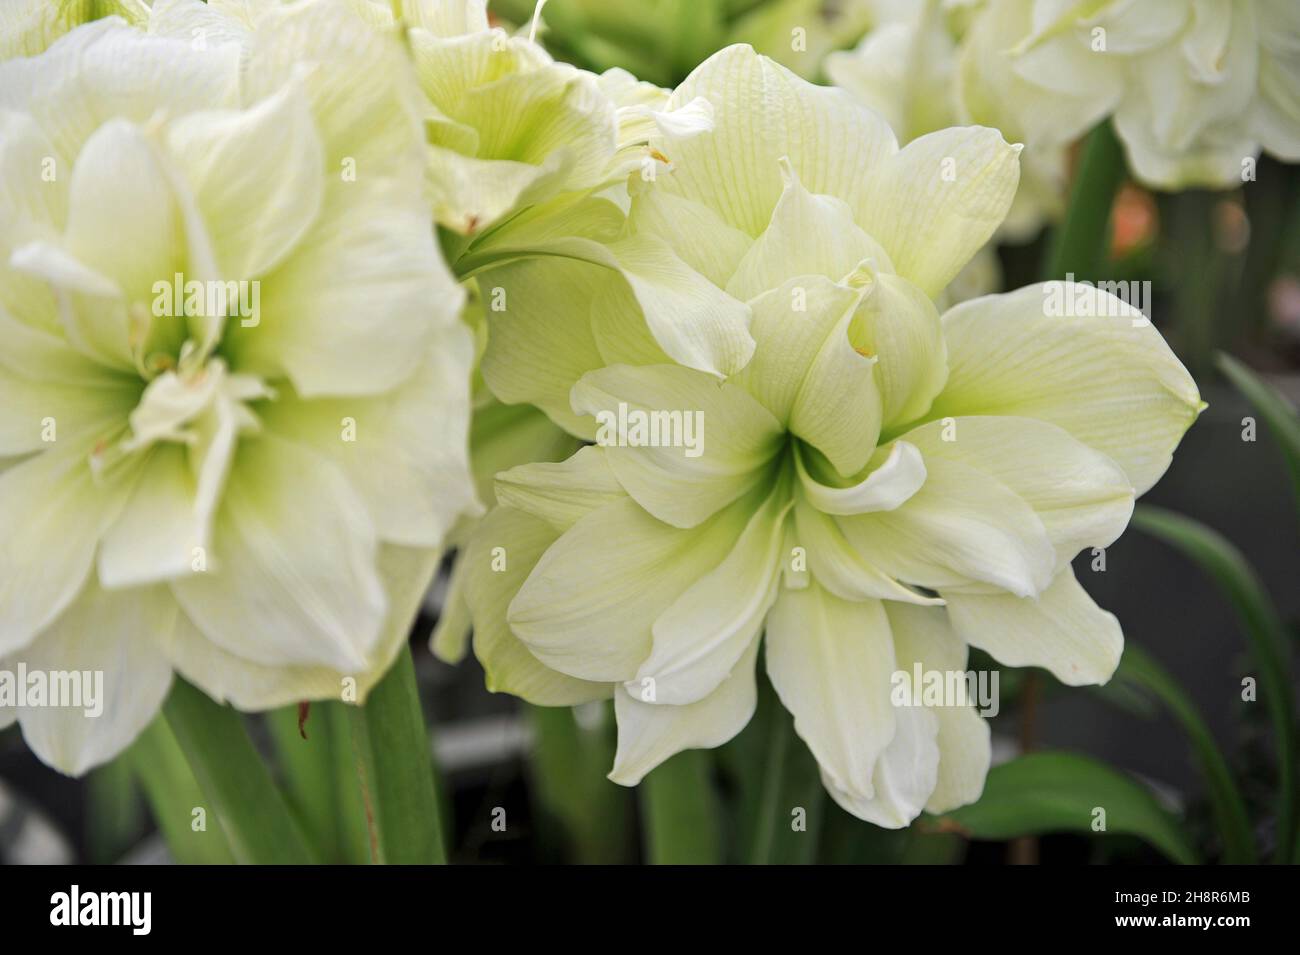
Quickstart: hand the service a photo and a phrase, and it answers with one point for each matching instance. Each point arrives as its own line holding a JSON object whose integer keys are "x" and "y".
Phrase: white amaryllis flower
{"x": 876, "y": 489}
{"x": 233, "y": 383}
{"x": 1196, "y": 87}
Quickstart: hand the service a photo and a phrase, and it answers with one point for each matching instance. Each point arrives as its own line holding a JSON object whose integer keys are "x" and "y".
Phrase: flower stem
{"x": 790, "y": 799}
{"x": 231, "y": 775}
{"x": 568, "y": 769}
{"x": 1080, "y": 246}
{"x": 320, "y": 779}
{"x": 778, "y": 745}
{"x": 680, "y": 811}
{"x": 396, "y": 770}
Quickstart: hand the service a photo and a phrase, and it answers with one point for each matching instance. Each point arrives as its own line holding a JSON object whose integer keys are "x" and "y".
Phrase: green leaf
{"x": 1216, "y": 555}
{"x": 1273, "y": 407}
{"x": 1229, "y": 809}
{"x": 1059, "y": 792}
{"x": 173, "y": 794}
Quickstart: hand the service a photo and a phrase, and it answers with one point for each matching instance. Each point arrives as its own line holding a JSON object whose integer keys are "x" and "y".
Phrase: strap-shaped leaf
{"x": 1217, "y": 556}
{"x": 1277, "y": 412}
{"x": 1229, "y": 809}
{"x": 1061, "y": 792}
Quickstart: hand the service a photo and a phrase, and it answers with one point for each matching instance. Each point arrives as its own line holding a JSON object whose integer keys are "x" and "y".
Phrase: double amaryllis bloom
{"x": 1195, "y": 89}
{"x": 875, "y": 487}
{"x": 235, "y": 386}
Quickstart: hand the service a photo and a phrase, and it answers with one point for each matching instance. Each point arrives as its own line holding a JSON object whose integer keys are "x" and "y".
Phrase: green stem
{"x": 680, "y": 811}
{"x": 791, "y": 798}
{"x": 778, "y": 744}
{"x": 233, "y": 778}
{"x": 320, "y": 779}
{"x": 393, "y": 757}
{"x": 569, "y": 763}
{"x": 115, "y": 813}
{"x": 932, "y": 848}
{"x": 1200, "y": 266}
{"x": 1081, "y": 245}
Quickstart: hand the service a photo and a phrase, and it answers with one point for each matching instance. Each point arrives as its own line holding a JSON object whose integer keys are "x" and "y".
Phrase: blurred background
{"x": 527, "y": 785}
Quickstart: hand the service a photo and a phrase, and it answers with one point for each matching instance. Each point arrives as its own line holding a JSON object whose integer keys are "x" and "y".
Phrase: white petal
{"x": 539, "y": 344}
{"x": 899, "y": 325}
{"x": 118, "y": 635}
{"x": 924, "y": 635}
{"x": 228, "y": 677}
{"x": 1101, "y": 372}
{"x": 603, "y": 632}
{"x": 502, "y": 552}
{"x": 257, "y": 177}
{"x": 368, "y": 263}
{"x": 694, "y": 322}
{"x": 937, "y": 201}
{"x": 713, "y": 439}
{"x": 960, "y": 527}
{"x": 292, "y": 579}
{"x": 763, "y": 112}
{"x": 560, "y": 493}
{"x": 897, "y": 472}
{"x": 46, "y": 382}
{"x": 830, "y": 661}
{"x": 905, "y": 774}
{"x": 808, "y": 235}
{"x": 838, "y": 567}
{"x": 359, "y": 80}
{"x": 52, "y": 513}
{"x": 1061, "y": 630}
{"x": 696, "y": 233}
{"x": 699, "y": 638}
{"x": 99, "y": 71}
{"x": 125, "y": 224}
{"x": 406, "y": 451}
{"x": 807, "y": 371}
{"x": 649, "y": 733}
{"x": 161, "y": 532}
{"x": 1083, "y": 498}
